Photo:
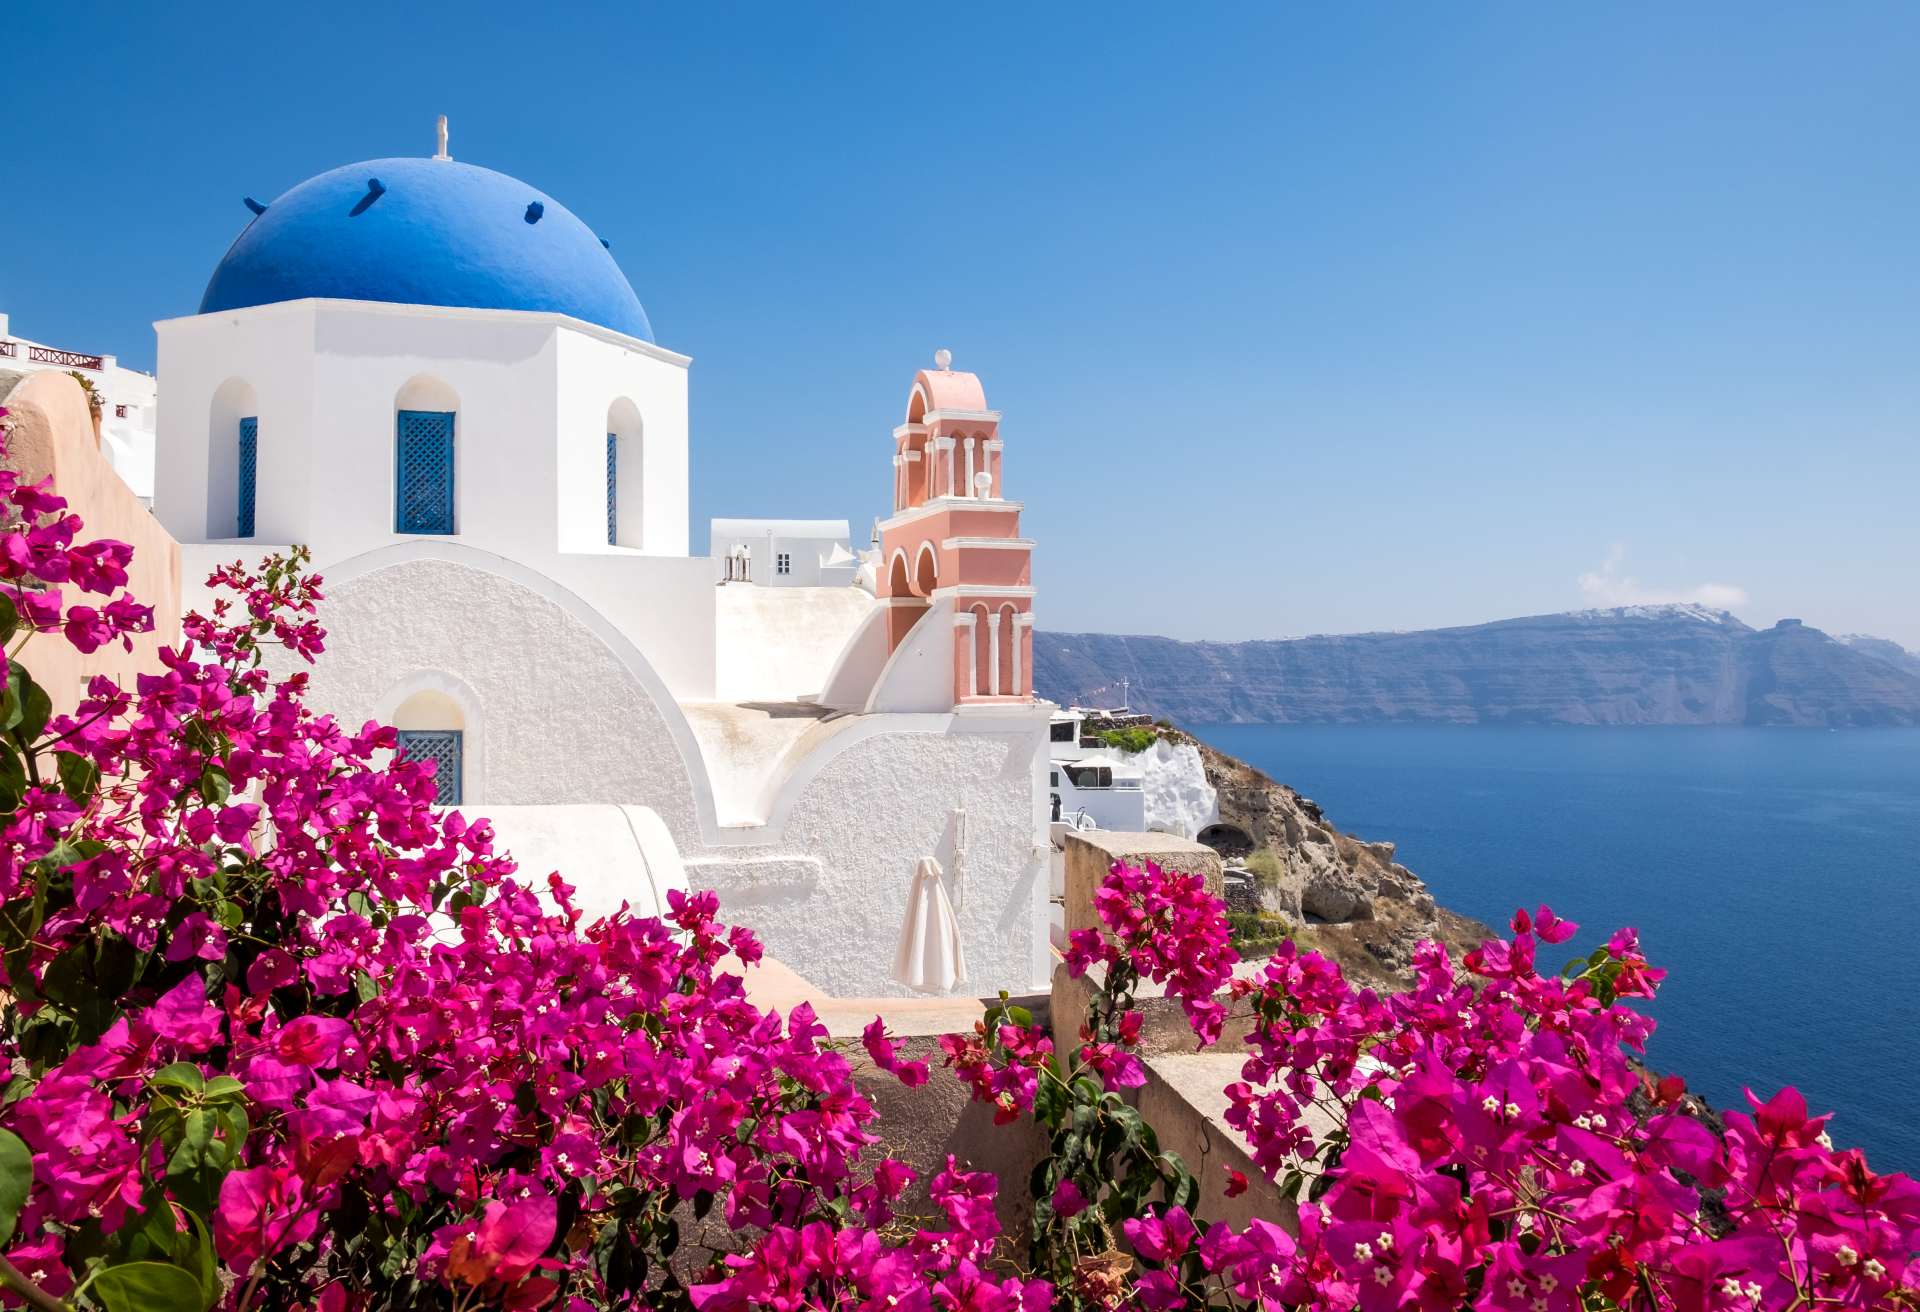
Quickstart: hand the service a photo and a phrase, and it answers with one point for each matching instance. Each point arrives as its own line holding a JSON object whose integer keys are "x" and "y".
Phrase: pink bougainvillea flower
{"x": 884, "y": 1052}
{"x": 261, "y": 1210}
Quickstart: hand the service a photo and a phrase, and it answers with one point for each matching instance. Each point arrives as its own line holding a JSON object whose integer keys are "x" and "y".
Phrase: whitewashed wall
{"x": 553, "y": 714}
{"x": 533, "y": 393}
{"x": 560, "y": 709}
{"x": 868, "y": 813}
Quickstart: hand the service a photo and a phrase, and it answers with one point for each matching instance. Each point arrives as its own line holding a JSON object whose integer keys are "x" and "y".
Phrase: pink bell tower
{"x": 954, "y": 537}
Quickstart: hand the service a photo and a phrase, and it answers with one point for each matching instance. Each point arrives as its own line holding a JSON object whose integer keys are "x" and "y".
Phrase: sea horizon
{"x": 1776, "y": 878}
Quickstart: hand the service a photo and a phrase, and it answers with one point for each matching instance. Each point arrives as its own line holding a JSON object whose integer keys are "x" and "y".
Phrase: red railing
{"x": 9, "y": 348}
{"x": 71, "y": 359}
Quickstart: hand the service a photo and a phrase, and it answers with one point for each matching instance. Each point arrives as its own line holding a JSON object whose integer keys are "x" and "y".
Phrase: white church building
{"x": 437, "y": 378}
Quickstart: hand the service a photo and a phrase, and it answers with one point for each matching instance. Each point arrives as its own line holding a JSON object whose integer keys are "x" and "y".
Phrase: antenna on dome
{"x": 943, "y": 359}
{"x": 441, "y": 132}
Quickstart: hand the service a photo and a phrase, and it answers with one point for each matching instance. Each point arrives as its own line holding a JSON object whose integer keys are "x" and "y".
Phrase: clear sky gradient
{"x": 1303, "y": 319}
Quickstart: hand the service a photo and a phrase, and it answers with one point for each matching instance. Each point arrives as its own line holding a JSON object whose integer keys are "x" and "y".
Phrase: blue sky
{"x": 1303, "y": 318}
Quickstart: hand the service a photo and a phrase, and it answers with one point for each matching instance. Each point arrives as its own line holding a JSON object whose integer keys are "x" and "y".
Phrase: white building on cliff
{"x": 437, "y": 378}
{"x": 126, "y": 399}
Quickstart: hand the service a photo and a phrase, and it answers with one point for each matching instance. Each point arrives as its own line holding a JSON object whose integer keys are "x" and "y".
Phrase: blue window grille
{"x": 613, "y": 489}
{"x": 249, "y": 468}
{"x": 442, "y": 747}
{"x": 423, "y": 496}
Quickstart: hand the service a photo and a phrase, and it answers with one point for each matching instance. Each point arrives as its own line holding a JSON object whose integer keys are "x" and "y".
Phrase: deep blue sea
{"x": 1775, "y": 873}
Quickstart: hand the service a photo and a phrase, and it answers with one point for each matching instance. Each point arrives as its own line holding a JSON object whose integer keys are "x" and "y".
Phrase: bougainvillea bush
{"x": 282, "y": 1035}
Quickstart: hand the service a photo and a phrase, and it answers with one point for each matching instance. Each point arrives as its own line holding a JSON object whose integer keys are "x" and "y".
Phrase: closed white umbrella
{"x": 930, "y": 958}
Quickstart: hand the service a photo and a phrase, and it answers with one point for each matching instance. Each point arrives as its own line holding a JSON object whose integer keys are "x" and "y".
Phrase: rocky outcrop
{"x": 1349, "y": 897}
{"x": 1630, "y": 665}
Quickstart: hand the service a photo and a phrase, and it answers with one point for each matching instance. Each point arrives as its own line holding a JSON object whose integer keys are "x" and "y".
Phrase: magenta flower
{"x": 885, "y": 1054}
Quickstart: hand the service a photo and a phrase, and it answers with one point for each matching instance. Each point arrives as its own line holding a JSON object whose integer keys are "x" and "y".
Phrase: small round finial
{"x": 943, "y": 359}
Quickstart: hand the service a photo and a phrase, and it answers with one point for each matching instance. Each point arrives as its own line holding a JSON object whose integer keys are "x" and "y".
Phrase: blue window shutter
{"x": 613, "y": 489}
{"x": 249, "y": 471}
{"x": 423, "y": 492}
{"x": 442, "y": 747}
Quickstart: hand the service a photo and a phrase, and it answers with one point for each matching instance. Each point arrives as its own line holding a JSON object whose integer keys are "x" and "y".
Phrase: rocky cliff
{"x": 1345, "y": 897}
{"x": 1627, "y": 666}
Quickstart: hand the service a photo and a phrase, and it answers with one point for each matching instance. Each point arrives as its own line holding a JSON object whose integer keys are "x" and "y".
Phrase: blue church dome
{"x": 426, "y": 232}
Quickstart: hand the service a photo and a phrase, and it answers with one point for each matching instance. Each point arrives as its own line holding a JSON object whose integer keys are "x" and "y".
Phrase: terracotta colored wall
{"x": 53, "y": 434}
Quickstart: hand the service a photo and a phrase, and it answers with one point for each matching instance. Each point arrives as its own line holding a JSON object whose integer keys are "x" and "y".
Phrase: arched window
{"x": 982, "y": 653}
{"x": 249, "y": 470}
{"x": 1008, "y": 662}
{"x": 926, "y": 570}
{"x": 626, "y": 469}
{"x": 613, "y": 489}
{"x": 233, "y": 460}
{"x": 424, "y": 457}
{"x": 433, "y": 727}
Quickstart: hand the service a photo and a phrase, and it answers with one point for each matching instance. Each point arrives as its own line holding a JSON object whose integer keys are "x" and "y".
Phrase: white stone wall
{"x": 869, "y": 814}
{"x": 532, "y": 392}
{"x": 766, "y": 540}
{"x": 781, "y": 644}
{"x": 1179, "y": 798}
{"x": 552, "y": 714}
{"x": 559, "y": 709}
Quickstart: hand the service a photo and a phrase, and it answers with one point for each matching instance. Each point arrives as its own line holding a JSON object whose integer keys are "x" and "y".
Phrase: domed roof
{"x": 426, "y": 232}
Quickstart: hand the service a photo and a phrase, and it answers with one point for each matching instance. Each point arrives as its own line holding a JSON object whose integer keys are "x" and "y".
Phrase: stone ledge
{"x": 1091, "y": 853}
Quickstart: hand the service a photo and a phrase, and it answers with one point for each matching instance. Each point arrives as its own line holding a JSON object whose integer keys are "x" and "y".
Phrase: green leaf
{"x": 196, "y": 1140}
{"x": 148, "y": 1287}
{"x": 16, "y": 1178}
{"x": 66, "y": 978}
{"x": 13, "y": 778}
{"x": 36, "y": 709}
{"x": 181, "y": 1075}
{"x": 198, "y": 1257}
{"x": 200, "y": 1161}
{"x": 223, "y": 1087}
{"x": 1020, "y": 1016}
{"x": 149, "y": 1237}
{"x": 215, "y": 787}
{"x": 9, "y": 619}
{"x": 79, "y": 776}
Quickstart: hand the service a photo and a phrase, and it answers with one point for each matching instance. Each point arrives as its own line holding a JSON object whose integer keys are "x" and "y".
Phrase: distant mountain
{"x": 1628, "y": 665}
{"x": 1883, "y": 649}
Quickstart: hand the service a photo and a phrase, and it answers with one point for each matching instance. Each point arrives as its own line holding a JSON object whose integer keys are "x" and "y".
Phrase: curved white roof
{"x": 610, "y": 854}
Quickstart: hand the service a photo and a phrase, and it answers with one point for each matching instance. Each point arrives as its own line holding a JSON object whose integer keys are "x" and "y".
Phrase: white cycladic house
{"x": 437, "y": 378}
{"x": 784, "y": 553}
{"x": 128, "y": 401}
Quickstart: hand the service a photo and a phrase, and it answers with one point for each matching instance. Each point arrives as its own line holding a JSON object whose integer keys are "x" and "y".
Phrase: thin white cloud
{"x": 1608, "y": 586}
